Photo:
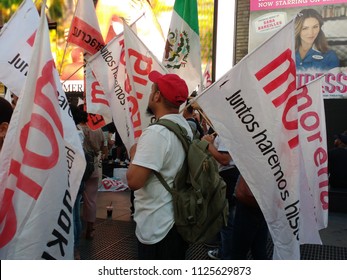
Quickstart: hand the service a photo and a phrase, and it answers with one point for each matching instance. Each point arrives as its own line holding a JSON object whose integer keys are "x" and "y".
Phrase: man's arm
{"x": 222, "y": 157}
{"x": 136, "y": 175}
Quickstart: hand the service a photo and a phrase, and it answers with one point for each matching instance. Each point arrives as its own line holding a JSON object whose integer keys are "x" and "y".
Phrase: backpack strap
{"x": 181, "y": 134}
{"x": 179, "y": 131}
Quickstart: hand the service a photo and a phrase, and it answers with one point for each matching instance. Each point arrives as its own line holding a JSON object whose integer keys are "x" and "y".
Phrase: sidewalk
{"x": 115, "y": 240}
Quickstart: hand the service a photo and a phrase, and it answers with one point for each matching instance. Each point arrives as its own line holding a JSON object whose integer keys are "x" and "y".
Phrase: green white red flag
{"x": 182, "y": 54}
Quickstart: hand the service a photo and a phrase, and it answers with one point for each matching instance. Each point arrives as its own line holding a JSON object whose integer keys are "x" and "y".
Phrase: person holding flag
{"x": 159, "y": 150}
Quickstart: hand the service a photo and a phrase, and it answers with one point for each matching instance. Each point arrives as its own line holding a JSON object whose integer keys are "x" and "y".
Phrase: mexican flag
{"x": 182, "y": 50}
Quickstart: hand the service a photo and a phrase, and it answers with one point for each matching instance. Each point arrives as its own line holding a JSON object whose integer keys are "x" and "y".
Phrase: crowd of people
{"x": 159, "y": 150}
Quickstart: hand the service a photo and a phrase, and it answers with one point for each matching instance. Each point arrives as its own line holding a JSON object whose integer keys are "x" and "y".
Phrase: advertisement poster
{"x": 320, "y": 36}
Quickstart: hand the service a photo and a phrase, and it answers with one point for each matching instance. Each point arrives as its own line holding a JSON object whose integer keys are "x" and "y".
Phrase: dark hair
{"x": 190, "y": 109}
{"x": 78, "y": 115}
{"x": 6, "y": 110}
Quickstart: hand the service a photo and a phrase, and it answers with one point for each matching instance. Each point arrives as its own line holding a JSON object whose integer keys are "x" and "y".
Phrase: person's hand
{"x": 104, "y": 152}
{"x": 208, "y": 137}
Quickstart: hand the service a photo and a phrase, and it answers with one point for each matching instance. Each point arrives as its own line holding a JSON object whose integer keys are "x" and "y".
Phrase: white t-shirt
{"x": 158, "y": 149}
{"x": 221, "y": 148}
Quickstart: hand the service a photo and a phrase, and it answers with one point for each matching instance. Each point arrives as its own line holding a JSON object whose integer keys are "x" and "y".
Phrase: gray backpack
{"x": 199, "y": 201}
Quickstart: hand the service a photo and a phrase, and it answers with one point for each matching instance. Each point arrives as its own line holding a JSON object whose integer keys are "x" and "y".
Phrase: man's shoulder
{"x": 180, "y": 120}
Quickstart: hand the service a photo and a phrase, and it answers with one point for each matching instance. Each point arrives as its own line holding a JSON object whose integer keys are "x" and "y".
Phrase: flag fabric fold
{"x": 37, "y": 195}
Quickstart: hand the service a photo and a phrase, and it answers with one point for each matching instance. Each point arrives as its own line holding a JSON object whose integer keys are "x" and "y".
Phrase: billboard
{"x": 320, "y": 36}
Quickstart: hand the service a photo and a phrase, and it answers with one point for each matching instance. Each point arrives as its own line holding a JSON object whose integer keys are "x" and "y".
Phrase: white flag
{"x": 139, "y": 62}
{"x": 85, "y": 33}
{"x": 148, "y": 27}
{"x": 36, "y": 196}
{"x": 313, "y": 145}
{"x": 182, "y": 51}
{"x": 109, "y": 68}
{"x": 16, "y": 41}
{"x": 249, "y": 108}
{"x": 96, "y": 99}
{"x": 25, "y": 23}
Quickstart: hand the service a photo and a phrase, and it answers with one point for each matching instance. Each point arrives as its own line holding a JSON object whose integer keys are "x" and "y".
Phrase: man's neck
{"x": 162, "y": 113}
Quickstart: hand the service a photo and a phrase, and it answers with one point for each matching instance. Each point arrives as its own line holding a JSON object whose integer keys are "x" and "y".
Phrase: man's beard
{"x": 149, "y": 112}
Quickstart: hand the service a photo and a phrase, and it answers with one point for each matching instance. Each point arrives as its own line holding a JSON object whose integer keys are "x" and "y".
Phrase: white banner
{"x": 96, "y": 99}
{"x": 85, "y": 31}
{"x": 314, "y": 155}
{"x": 139, "y": 63}
{"x": 16, "y": 41}
{"x": 36, "y": 195}
{"x": 254, "y": 110}
{"x": 108, "y": 66}
{"x": 25, "y": 22}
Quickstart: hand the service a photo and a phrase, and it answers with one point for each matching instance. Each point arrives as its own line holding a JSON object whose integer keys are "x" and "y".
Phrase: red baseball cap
{"x": 172, "y": 87}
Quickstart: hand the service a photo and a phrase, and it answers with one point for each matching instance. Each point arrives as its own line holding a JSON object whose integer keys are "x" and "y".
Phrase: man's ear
{"x": 3, "y": 129}
{"x": 157, "y": 96}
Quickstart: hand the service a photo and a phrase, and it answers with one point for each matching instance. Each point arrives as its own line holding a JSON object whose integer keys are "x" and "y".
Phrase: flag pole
{"x": 67, "y": 43}
{"x": 74, "y": 72}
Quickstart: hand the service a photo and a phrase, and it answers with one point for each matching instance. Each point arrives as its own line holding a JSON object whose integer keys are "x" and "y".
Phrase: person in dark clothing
{"x": 337, "y": 162}
{"x": 188, "y": 114}
{"x": 6, "y": 111}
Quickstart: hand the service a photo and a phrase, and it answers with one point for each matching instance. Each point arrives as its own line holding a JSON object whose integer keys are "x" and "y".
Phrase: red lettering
{"x": 42, "y": 100}
{"x": 141, "y": 60}
{"x": 31, "y": 39}
{"x": 98, "y": 95}
{"x": 315, "y": 137}
{"x": 32, "y": 158}
{"x": 309, "y": 120}
{"x": 289, "y": 74}
{"x": 305, "y": 117}
{"x": 107, "y": 184}
{"x": 324, "y": 200}
{"x": 320, "y": 156}
{"x": 95, "y": 121}
{"x": 24, "y": 183}
{"x": 135, "y": 116}
{"x": 8, "y": 218}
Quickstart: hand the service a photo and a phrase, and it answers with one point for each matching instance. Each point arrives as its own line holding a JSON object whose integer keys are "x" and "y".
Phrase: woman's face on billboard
{"x": 309, "y": 31}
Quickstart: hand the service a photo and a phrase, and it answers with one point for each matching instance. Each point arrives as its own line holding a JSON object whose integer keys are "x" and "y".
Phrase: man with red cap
{"x": 158, "y": 149}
